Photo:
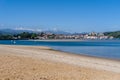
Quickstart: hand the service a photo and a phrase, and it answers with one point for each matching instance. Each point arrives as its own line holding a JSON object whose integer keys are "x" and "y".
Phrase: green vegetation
{"x": 115, "y": 34}
{"x": 52, "y": 36}
{"x": 5, "y": 37}
{"x": 33, "y": 35}
{"x": 24, "y": 35}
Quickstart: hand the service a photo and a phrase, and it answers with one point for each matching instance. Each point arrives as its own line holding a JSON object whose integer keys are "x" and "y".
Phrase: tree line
{"x": 115, "y": 34}
{"x": 24, "y": 35}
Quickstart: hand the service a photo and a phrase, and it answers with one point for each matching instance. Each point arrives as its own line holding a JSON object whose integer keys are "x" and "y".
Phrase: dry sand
{"x": 42, "y": 63}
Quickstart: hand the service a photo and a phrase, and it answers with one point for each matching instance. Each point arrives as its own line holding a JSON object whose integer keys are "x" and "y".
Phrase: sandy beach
{"x": 43, "y": 63}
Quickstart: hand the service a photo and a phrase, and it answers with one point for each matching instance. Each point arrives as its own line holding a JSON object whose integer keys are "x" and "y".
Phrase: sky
{"x": 68, "y": 15}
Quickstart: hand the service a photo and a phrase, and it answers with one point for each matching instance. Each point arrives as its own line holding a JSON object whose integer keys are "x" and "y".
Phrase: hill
{"x": 115, "y": 34}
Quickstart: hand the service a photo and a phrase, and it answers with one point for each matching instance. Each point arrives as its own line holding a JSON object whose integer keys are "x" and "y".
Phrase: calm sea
{"x": 99, "y": 48}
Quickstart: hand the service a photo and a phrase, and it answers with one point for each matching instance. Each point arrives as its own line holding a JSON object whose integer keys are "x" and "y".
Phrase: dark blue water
{"x": 99, "y": 48}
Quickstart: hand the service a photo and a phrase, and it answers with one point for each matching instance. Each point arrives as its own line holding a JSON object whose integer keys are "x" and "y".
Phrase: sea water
{"x": 98, "y": 48}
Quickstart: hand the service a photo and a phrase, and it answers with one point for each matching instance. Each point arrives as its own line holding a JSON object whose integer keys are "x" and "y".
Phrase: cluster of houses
{"x": 81, "y": 36}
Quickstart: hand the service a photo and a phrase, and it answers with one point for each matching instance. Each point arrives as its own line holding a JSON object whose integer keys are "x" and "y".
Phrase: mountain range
{"x": 17, "y": 31}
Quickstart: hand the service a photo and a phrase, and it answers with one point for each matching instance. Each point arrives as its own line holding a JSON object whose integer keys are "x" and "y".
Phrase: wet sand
{"x": 43, "y": 63}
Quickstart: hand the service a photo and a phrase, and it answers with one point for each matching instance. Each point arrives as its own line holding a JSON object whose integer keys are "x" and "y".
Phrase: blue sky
{"x": 69, "y": 15}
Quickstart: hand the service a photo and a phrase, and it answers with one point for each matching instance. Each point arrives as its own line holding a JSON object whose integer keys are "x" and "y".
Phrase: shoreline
{"x": 66, "y": 54}
{"x": 44, "y": 61}
{"x": 111, "y": 58}
{"x": 84, "y": 55}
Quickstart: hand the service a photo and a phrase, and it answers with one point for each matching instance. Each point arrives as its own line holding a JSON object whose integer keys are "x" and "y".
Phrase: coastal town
{"x": 13, "y": 34}
{"x": 45, "y": 36}
{"x": 91, "y": 35}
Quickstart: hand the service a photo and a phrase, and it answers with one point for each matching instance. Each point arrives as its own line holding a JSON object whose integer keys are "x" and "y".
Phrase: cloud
{"x": 29, "y": 29}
